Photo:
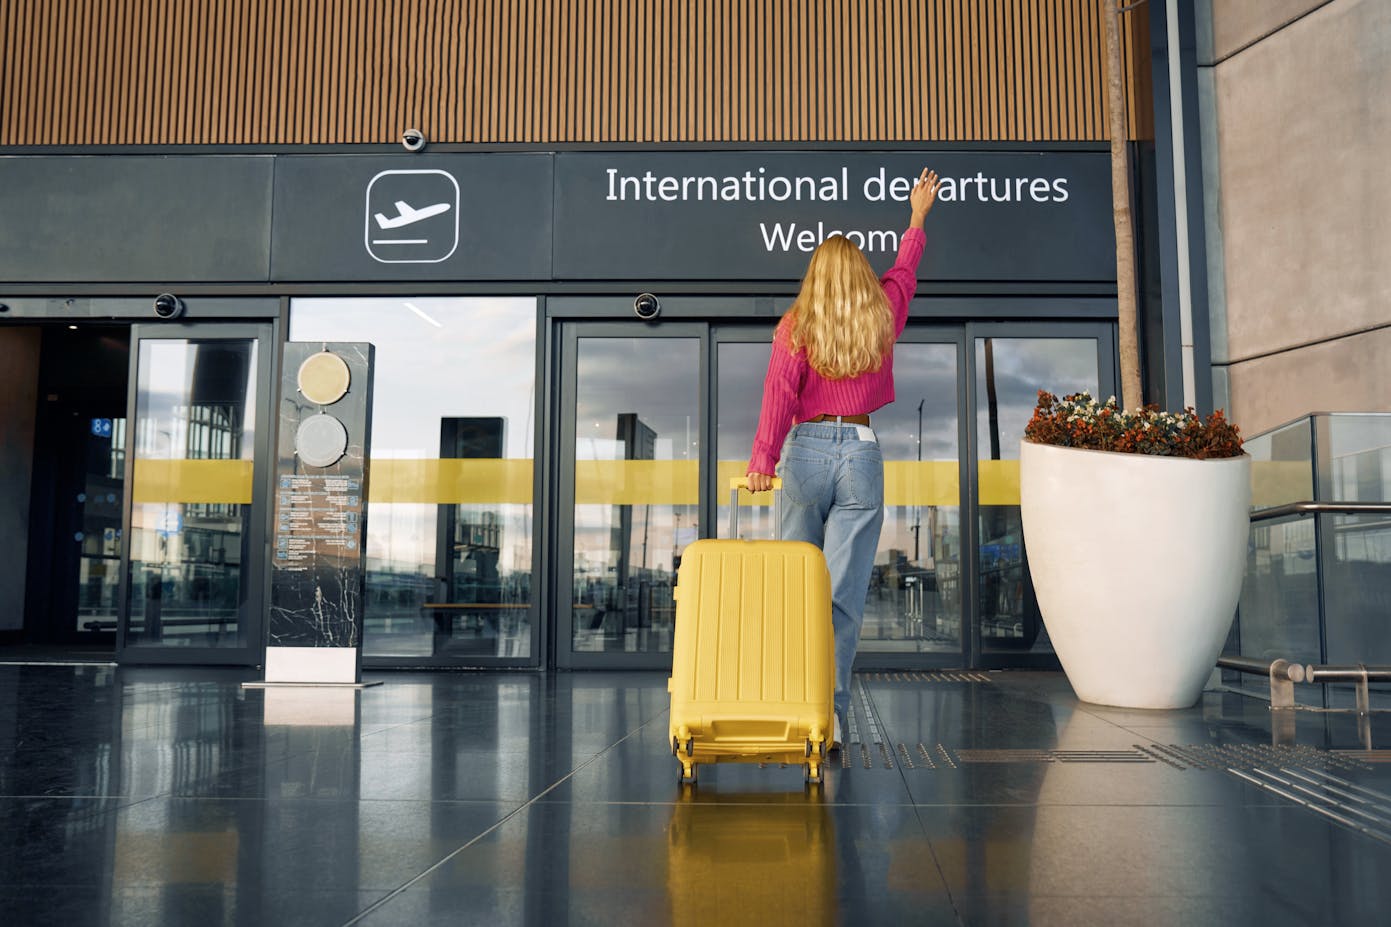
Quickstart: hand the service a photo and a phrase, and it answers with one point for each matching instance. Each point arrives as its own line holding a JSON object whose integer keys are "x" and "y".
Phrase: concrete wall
{"x": 1239, "y": 23}
{"x": 1300, "y": 119}
{"x": 19, "y": 384}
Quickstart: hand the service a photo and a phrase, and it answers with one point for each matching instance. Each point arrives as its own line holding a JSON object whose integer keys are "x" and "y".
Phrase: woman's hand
{"x": 922, "y": 197}
{"x": 760, "y": 482}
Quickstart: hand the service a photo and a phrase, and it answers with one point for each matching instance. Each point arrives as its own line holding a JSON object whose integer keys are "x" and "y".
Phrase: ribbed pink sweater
{"x": 793, "y": 392}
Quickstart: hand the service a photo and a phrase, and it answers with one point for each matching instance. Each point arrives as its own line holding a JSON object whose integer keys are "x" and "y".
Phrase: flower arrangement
{"x": 1080, "y": 421}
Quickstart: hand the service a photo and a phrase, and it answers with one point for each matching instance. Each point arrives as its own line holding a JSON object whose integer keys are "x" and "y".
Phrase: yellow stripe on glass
{"x": 906, "y": 482}
{"x": 637, "y": 482}
{"x": 999, "y": 481}
{"x": 205, "y": 482}
{"x": 450, "y": 481}
{"x": 597, "y": 482}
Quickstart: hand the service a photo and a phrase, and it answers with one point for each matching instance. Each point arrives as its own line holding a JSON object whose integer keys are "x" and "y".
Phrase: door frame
{"x": 563, "y": 542}
{"x": 926, "y": 332}
{"x": 716, "y": 328}
{"x": 254, "y": 586}
{"x": 932, "y": 332}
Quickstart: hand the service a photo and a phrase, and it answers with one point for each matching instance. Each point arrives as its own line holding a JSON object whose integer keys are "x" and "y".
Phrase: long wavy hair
{"x": 841, "y": 318}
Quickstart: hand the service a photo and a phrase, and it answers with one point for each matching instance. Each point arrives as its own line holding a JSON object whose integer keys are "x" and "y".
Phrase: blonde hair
{"x": 841, "y": 318}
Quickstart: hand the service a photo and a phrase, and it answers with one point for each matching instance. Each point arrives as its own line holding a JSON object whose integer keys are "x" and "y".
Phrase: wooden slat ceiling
{"x": 288, "y": 72}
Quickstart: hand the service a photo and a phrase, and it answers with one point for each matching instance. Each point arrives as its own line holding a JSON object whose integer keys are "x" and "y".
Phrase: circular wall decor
{"x": 324, "y": 378}
{"x": 321, "y": 440}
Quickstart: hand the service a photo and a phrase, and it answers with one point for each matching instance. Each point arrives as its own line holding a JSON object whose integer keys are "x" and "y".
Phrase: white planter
{"x": 1137, "y": 562}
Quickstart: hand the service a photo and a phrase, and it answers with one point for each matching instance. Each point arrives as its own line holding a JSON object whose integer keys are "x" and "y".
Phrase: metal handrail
{"x": 1282, "y": 675}
{"x": 1318, "y": 508}
{"x": 1362, "y": 676}
{"x": 1293, "y": 671}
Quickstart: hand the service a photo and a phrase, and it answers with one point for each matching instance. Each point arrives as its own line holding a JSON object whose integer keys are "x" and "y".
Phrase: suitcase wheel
{"x": 813, "y": 774}
{"x": 683, "y": 735}
{"x": 688, "y": 774}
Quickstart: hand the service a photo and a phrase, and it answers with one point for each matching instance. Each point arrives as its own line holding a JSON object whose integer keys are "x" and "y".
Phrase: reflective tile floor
{"x": 141, "y": 796}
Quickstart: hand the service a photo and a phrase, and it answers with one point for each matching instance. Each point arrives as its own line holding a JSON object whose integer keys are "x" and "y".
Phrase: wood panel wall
{"x": 286, "y": 72}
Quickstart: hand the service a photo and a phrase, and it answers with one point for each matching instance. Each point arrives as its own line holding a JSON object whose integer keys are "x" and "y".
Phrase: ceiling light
{"x": 420, "y": 312}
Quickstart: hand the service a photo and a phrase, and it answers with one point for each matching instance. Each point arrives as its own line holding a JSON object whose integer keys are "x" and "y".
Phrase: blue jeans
{"x": 833, "y": 496}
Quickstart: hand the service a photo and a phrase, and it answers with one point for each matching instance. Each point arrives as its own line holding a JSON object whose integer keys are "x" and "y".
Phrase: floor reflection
{"x": 176, "y": 796}
{"x": 763, "y": 860}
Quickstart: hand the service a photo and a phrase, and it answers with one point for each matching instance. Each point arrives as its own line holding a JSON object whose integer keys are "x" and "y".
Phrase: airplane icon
{"x": 395, "y": 232}
{"x": 407, "y": 215}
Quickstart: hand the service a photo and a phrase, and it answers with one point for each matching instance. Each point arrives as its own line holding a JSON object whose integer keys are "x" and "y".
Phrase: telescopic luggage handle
{"x": 742, "y": 482}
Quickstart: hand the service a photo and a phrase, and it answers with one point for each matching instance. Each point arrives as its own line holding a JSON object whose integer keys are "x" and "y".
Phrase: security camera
{"x": 413, "y": 139}
{"x": 646, "y": 307}
{"x": 168, "y": 306}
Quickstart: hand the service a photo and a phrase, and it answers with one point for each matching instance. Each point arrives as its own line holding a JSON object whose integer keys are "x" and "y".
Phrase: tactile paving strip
{"x": 1362, "y": 809}
{"x": 935, "y": 676}
{"x": 1053, "y": 756}
{"x": 1252, "y": 756}
{"x": 1299, "y": 773}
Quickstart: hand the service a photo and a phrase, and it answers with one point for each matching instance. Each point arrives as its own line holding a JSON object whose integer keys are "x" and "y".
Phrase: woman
{"x": 832, "y": 365}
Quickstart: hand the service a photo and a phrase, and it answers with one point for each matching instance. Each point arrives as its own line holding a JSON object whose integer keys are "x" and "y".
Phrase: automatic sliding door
{"x": 914, "y": 603}
{"x": 1010, "y": 368}
{"x": 630, "y": 496}
{"x": 915, "y": 591}
{"x": 198, "y": 445}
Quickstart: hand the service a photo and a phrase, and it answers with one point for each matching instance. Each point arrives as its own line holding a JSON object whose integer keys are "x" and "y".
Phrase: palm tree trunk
{"x": 1120, "y": 200}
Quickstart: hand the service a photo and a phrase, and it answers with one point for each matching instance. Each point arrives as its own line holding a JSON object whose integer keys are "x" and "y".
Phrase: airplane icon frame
{"x": 368, "y": 220}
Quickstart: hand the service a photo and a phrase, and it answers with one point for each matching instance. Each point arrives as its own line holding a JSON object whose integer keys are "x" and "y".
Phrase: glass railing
{"x": 1318, "y": 582}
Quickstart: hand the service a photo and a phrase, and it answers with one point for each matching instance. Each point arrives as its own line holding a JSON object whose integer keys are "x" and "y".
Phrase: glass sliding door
{"x": 915, "y": 597}
{"x": 914, "y": 603}
{"x": 643, "y": 471}
{"x": 198, "y": 444}
{"x": 1011, "y": 363}
{"x": 630, "y": 451}
{"x": 741, "y": 361}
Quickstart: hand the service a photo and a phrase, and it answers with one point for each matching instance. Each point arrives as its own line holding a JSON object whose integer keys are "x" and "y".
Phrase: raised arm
{"x": 901, "y": 282}
{"x": 922, "y": 197}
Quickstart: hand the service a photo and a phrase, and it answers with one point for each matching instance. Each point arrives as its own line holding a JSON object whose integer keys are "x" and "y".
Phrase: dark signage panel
{"x": 1007, "y": 216}
{"x": 539, "y": 216}
{"x": 413, "y": 217}
{"x": 318, "y": 569}
{"x": 124, "y": 218}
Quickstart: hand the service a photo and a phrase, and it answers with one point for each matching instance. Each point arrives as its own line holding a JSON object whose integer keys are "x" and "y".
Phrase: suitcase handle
{"x": 737, "y": 483}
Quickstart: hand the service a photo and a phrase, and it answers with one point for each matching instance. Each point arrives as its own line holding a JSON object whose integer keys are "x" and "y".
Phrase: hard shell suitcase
{"x": 753, "y": 661}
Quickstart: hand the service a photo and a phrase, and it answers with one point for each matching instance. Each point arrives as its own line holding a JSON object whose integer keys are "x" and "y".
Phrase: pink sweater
{"x": 793, "y": 392}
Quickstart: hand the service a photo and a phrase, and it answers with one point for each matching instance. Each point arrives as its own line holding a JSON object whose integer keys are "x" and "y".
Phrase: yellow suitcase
{"x": 753, "y": 662}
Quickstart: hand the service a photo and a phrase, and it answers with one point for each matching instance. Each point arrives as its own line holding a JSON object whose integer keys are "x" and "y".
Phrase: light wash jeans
{"x": 833, "y": 496}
